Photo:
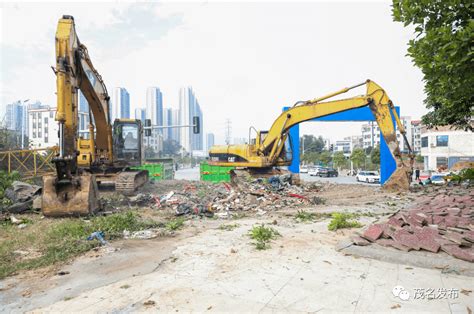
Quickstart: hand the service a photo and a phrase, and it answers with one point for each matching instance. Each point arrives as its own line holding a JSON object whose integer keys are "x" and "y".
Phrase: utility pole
{"x": 228, "y": 130}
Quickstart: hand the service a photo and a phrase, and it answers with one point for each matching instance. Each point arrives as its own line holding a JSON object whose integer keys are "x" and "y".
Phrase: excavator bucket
{"x": 76, "y": 198}
{"x": 399, "y": 180}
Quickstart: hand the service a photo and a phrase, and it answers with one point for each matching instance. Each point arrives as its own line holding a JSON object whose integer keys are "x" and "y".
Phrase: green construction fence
{"x": 215, "y": 173}
{"x": 158, "y": 169}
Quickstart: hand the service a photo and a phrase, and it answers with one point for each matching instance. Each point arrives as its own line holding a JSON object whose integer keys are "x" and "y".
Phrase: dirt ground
{"x": 207, "y": 266}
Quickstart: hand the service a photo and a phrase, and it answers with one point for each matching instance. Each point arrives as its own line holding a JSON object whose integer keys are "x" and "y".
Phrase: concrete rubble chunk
{"x": 373, "y": 232}
{"x": 357, "y": 240}
{"x": 394, "y": 244}
{"x": 407, "y": 239}
{"x": 456, "y": 251}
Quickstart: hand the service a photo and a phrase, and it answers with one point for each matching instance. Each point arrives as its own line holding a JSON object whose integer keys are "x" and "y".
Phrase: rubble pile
{"x": 440, "y": 222}
{"x": 260, "y": 195}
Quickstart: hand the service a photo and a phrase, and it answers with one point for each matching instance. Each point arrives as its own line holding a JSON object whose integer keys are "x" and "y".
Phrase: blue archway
{"x": 387, "y": 162}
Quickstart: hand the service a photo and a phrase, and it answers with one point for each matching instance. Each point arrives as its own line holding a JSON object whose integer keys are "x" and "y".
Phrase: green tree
{"x": 10, "y": 140}
{"x": 325, "y": 157}
{"x": 310, "y": 157}
{"x": 339, "y": 160}
{"x": 150, "y": 153}
{"x": 358, "y": 157}
{"x": 171, "y": 148}
{"x": 443, "y": 50}
{"x": 375, "y": 156}
{"x": 312, "y": 144}
{"x": 419, "y": 158}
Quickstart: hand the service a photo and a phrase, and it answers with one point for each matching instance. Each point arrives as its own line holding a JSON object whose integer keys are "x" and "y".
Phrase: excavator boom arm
{"x": 75, "y": 72}
{"x": 375, "y": 97}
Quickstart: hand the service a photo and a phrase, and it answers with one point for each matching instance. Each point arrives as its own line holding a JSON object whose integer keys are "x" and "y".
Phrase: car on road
{"x": 304, "y": 169}
{"x": 313, "y": 171}
{"x": 368, "y": 176}
{"x": 327, "y": 172}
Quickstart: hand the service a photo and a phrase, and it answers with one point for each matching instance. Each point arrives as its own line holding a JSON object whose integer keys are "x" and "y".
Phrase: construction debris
{"x": 208, "y": 199}
{"x": 439, "y": 221}
{"x": 22, "y": 195}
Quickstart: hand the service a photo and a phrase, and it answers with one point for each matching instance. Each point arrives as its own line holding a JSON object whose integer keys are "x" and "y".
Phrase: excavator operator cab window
{"x": 127, "y": 141}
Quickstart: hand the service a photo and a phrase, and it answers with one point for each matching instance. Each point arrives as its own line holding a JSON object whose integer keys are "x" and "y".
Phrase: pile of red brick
{"x": 443, "y": 221}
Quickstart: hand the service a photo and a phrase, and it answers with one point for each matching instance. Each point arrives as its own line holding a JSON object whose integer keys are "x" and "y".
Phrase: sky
{"x": 245, "y": 61}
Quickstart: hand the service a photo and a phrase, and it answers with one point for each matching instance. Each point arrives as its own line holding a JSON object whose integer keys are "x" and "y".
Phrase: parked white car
{"x": 314, "y": 171}
{"x": 368, "y": 176}
{"x": 304, "y": 169}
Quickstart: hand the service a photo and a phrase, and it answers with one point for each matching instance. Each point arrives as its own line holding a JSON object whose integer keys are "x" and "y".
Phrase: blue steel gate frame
{"x": 387, "y": 162}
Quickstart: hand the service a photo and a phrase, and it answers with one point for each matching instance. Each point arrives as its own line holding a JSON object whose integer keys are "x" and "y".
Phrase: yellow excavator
{"x": 272, "y": 148}
{"x": 106, "y": 153}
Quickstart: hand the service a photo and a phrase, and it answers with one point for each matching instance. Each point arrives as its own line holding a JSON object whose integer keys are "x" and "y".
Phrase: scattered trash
{"x": 99, "y": 235}
{"x": 149, "y": 303}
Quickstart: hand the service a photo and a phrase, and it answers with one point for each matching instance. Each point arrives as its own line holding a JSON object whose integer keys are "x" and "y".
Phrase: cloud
{"x": 245, "y": 61}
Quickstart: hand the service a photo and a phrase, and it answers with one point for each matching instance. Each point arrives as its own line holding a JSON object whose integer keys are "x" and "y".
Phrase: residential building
{"x": 175, "y": 132}
{"x": 140, "y": 114}
{"x": 168, "y": 121}
{"x": 344, "y": 146}
{"x": 16, "y": 116}
{"x": 327, "y": 145}
{"x": 210, "y": 140}
{"x": 43, "y": 128}
{"x": 416, "y": 135}
{"x": 443, "y": 147}
{"x": 154, "y": 106}
{"x": 120, "y": 104}
{"x": 357, "y": 141}
{"x": 371, "y": 134}
{"x": 154, "y": 112}
{"x": 188, "y": 108}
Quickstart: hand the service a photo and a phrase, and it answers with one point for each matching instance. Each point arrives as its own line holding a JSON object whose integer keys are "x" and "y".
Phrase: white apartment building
{"x": 371, "y": 134}
{"x": 43, "y": 129}
{"x": 444, "y": 147}
{"x": 416, "y": 135}
{"x": 343, "y": 146}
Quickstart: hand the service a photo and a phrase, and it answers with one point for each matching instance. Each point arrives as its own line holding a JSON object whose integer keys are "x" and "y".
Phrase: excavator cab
{"x": 128, "y": 141}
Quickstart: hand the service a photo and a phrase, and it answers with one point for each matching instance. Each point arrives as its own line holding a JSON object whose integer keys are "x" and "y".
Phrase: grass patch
{"x": 175, "y": 224}
{"x": 342, "y": 220}
{"x": 304, "y": 216}
{"x": 262, "y": 236}
{"x": 6, "y": 180}
{"x": 229, "y": 227}
{"x": 50, "y": 241}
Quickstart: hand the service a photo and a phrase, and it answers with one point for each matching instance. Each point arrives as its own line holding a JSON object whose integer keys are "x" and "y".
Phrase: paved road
{"x": 191, "y": 174}
{"x": 340, "y": 179}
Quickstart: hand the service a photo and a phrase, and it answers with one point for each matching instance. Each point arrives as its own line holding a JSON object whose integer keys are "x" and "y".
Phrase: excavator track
{"x": 128, "y": 182}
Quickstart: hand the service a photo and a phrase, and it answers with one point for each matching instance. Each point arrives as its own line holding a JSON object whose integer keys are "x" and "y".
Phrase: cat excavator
{"x": 106, "y": 153}
{"x": 272, "y": 148}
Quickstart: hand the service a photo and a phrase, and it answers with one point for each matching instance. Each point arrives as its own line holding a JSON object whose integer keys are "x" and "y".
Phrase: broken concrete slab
{"x": 373, "y": 232}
